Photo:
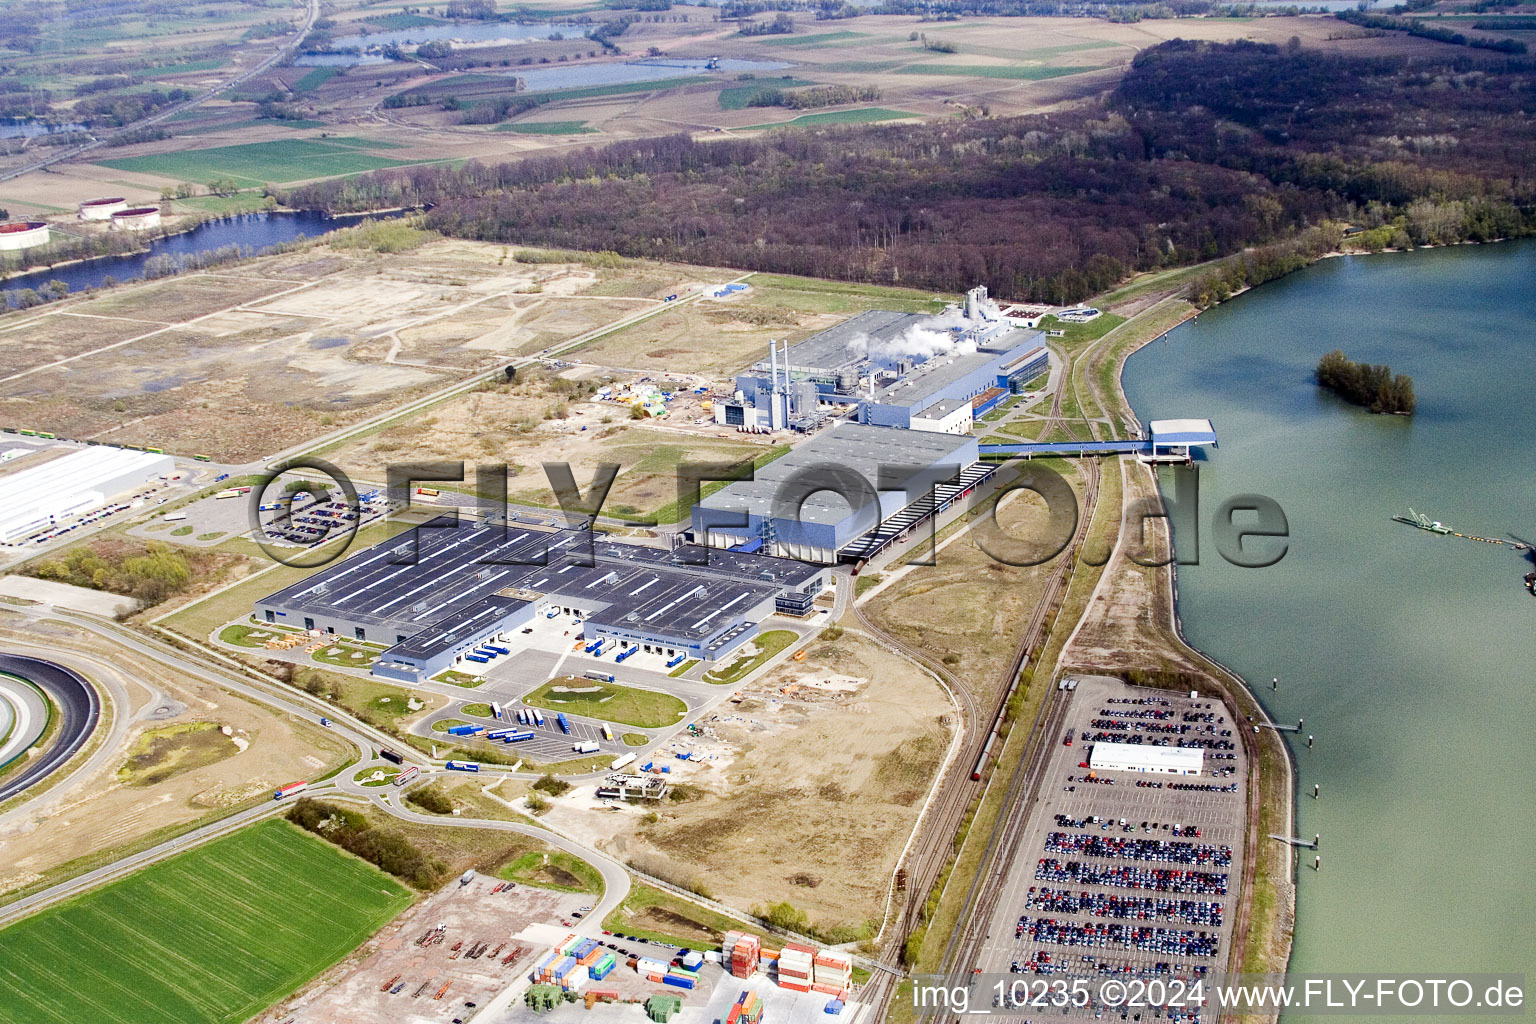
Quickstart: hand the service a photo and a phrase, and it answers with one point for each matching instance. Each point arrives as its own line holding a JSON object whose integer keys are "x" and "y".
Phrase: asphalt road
{"x": 79, "y": 709}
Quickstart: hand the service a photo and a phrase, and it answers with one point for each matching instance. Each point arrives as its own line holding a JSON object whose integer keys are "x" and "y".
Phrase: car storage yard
{"x": 1089, "y": 897}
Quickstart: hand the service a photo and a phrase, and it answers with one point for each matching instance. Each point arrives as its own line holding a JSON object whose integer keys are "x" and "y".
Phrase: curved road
{"x": 79, "y": 709}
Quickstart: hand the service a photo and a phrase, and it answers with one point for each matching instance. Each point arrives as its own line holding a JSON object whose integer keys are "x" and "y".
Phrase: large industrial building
{"x": 829, "y": 496}
{"x": 37, "y": 499}
{"x": 908, "y": 370}
{"x": 1137, "y": 757}
{"x": 444, "y": 588}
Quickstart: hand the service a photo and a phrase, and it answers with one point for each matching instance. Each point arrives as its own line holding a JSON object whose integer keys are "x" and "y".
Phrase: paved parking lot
{"x": 550, "y": 650}
{"x": 1091, "y": 897}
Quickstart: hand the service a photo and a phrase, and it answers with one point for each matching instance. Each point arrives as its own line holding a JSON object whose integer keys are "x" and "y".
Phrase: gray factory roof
{"x": 849, "y": 446}
{"x": 441, "y": 573}
{"x": 938, "y": 410}
{"x": 943, "y": 371}
{"x": 829, "y": 350}
{"x": 452, "y": 632}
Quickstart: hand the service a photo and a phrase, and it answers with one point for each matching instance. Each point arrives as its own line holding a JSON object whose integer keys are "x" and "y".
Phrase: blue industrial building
{"x": 440, "y": 592}
{"x": 818, "y": 502}
{"x": 906, "y": 370}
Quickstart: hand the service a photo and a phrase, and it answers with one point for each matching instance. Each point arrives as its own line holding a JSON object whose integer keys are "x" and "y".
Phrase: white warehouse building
{"x": 33, "y": 499}
{"x": 1135, "y": 757}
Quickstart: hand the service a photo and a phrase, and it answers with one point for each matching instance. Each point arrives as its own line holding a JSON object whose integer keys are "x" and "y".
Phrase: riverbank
{"x": 1264, "y": 932}
{"x": 1401, "y": 650}
{"x": 212, "y": 240}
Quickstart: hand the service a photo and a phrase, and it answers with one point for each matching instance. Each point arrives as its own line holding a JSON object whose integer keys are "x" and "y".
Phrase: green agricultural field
{"x": 608, "y": 702}
{"x": 216, "y": 934}
{"x": 547, "y": 128}
{"x": 315, "y": 78}
{"x": 737, "y": 96}
{"x": 258, "y": 162}
{"x": 819, "y": 39}
{"x": 864, "y": 115}
{"x": 589, "y": 91}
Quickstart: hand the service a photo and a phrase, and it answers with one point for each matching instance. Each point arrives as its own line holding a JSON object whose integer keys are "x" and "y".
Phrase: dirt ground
{"x": 711, "y": 337}
{"x": 357, "y": 990}
{"x": 969, "y": 609}
{"x": 1123, "y": 625}
{"x": 536, "y": 420}
{"x": 265, "y": 750}
{"x": 242, "y": 361}
{"x": 805, "y": 791}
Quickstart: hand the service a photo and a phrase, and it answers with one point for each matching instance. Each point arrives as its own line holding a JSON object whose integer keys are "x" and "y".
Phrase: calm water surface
{"x": 257, "y": 230}
{"x": 1411, "y": 656}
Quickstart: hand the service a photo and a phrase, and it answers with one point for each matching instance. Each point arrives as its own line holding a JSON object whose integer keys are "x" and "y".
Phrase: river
{"x": 1409, "y": 654}
{"x": 257, "y": 230}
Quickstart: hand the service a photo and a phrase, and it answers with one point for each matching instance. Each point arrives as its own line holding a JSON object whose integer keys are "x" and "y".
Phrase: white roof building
{"x": 1182, "y": 432}
{"x": 1136, "y": 757}
{"x": 33, "y": 499}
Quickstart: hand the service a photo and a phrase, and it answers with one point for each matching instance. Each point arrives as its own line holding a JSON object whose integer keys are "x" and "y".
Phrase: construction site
{"x": 460, "y": 945}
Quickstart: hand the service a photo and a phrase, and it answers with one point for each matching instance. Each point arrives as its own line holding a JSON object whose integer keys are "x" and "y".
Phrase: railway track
{"x": 998, "y": 857}
{"x": 933, "y": 850}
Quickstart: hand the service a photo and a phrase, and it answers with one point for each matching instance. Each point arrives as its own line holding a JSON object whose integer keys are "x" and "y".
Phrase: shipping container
{"x": 677, "y": 981}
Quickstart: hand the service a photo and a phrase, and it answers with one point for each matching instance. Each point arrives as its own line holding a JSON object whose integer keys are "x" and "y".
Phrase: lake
{"x": 1409, "y": 654}
{"x": 502, "y": 32}
{"x": 581, "y": 76}
{"x": 257, "y": 230}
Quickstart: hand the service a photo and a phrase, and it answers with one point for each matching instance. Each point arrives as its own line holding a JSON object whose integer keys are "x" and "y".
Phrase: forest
{"x": 1374, "y": 387}
{"x": 1203, "y": 151}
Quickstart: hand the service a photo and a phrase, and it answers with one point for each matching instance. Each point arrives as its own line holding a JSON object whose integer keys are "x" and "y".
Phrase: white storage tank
{"x": 23, "y": 234}
{"x": 136, "y": 218}
{"x": 102, "y": 209}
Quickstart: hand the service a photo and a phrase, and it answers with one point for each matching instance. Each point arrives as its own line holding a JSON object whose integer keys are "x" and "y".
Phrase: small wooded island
{"x": 1374, "y": 387}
